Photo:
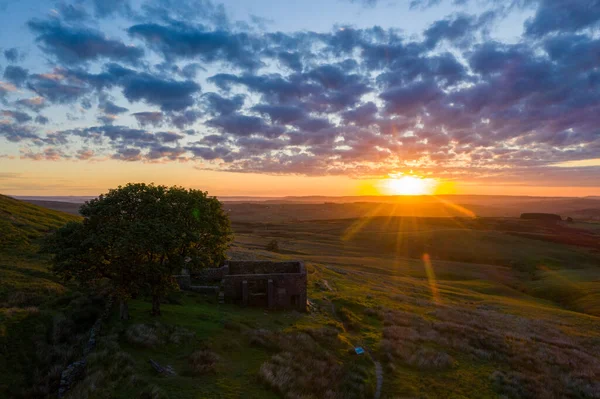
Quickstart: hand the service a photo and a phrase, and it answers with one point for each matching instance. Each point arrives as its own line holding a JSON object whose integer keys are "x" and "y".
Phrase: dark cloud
{"x": 218, "y": 105}
{"x": 41, "y": 120}
{"x": 16, "y": 132}
{"x": 15, "y": 75}
{"x": 409, "y": 99}
{"x": 363, "y": 115}
{"x": 34, "y": 103}
{"x": 12, "y": 54}
{"x": 74, "y": 12}
{"x": 57, "y": 88}
{"x": 244, "y": 125}
{"x": 169, "y": 137}
{"x": 17, "y": 116}
{"x": 184, "y": 41}
{"x": 108, "y": 107}
{"x": 149, "y": 118}
{"x": 73, "y": 45}
{"x": 284, "y": 114}
{"x": 128, "y": 154}
{"x": 563, "y": 16}
{"x": 168, "y": 94}
{"x": 184, "y": 119}
{"x": 459, "y": 29}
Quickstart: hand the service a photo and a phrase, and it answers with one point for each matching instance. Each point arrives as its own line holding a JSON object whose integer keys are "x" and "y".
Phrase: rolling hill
{"x": 447, "y": 307}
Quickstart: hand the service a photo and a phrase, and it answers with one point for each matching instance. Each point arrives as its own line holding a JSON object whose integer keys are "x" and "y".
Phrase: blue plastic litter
{"x": 359, "y": 350}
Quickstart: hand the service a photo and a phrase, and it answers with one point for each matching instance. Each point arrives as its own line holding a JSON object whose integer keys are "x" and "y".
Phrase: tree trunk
{"x": 155, "y": 305}
{"x": 124, "y": 310}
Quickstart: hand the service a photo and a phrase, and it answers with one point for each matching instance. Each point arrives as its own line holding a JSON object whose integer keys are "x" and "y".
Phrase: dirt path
{"x": 378, "y": 368}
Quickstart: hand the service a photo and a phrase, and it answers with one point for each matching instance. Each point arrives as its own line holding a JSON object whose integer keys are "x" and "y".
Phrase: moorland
{"x": 455, "y": 305}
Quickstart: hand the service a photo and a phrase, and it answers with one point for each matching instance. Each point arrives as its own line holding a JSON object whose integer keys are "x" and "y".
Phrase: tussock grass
{"x": 309, "y": 364}
{"x": 542, "y": 361}
{"x": 157, "y": 334}
{"x": 203, "y": 361}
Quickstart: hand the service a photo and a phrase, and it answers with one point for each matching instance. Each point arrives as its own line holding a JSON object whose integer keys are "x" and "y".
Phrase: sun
{"x": 409, "y": 185}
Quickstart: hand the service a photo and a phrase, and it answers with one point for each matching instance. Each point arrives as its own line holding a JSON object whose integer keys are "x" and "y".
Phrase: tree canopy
{"x": 138, "y": 236}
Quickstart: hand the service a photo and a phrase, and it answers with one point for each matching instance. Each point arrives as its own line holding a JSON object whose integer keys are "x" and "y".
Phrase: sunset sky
{"x": 330, "y": 97}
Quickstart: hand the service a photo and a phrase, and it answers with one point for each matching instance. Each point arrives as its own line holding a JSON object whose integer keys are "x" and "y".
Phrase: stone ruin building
{"x": 272, "y": 285}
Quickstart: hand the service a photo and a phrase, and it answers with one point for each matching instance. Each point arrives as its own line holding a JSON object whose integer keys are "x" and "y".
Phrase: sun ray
{"x": 435, "y": 295}
{"x": 360, "y": 223}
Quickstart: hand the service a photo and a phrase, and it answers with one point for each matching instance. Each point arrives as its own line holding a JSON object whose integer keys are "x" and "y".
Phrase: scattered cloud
{"x": 362, "y": 102}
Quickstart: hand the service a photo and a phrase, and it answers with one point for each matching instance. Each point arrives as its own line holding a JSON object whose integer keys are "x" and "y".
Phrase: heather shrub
{"x": 544, "y": 361}
{"x": 203, "y": 361}
{"x": 153, "y": 335}
{"x": 306, "y": 366}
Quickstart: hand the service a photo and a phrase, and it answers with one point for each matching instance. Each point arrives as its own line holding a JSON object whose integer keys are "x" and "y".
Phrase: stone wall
{"x": 184, "y": 281}
{"x": 275, "y": 285}
{"x": 262, "y": 267}
{"x": 210, "y": 274}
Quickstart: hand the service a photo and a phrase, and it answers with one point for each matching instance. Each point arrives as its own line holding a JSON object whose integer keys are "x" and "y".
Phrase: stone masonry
{"x": 273, "y": 285}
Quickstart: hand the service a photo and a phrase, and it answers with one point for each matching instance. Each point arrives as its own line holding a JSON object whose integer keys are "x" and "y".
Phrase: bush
{"x": 203, "y": 361}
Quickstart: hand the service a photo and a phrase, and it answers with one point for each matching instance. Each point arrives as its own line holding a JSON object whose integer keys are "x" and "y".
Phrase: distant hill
{"x": 272, "y": 209}
{"x": 21, "y": 223}
{"x": 68, "y": 207}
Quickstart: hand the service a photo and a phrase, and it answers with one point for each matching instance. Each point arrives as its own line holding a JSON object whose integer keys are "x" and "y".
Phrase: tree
{"x": 138, "y": 236}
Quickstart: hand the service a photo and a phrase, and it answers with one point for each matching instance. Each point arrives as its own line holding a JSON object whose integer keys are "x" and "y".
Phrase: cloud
{"x": 168, "y": 94}
{"x": 16, "y": 132}
{"x": 128, "y": 154}
{"x": 244, "y": 125}
{"x": 71, "y": 45}
{"x": 148, "y": 118}
{"x": 108, "y": 107}
{"x": 74, "y": 12}
{"x": 169, "y": 137}
{"x": 183, "y": 41}
{"x": 284, "y": 114}
{"x": 6, "y": 88}
{"x": 48, "y": 154}
{"x": 12, "y": 54}
{"x": 216, "y": 104}
{"x": 17, "y": 116}
{"x": 57, "y": 88}
{"x": 41, "y": 120}
{"x": 15, "y": 75}
{"x": 563, "y": 16}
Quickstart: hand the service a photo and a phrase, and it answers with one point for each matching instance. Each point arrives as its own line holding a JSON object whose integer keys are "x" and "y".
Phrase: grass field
{"x": 497, "y": 307}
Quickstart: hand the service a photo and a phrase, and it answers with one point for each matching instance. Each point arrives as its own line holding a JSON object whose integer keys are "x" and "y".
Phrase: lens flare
{"x": 435, "y": 295}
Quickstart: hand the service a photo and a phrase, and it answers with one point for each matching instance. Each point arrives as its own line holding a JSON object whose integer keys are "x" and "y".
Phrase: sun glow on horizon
{"x": 409, "y": 185}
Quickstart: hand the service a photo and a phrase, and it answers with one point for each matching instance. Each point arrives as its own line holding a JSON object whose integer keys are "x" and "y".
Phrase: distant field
{"x": 318, "y": 208}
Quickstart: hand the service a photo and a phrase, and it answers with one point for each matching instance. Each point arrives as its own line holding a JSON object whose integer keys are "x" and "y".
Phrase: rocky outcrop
{"x": 76, "y": 370}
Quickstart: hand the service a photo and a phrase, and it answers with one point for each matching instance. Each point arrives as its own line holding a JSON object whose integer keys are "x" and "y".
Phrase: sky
{"x": 327, "y": 97}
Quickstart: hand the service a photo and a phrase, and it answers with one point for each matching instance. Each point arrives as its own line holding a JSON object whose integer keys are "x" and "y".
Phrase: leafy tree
{"x": 138, "y": 236}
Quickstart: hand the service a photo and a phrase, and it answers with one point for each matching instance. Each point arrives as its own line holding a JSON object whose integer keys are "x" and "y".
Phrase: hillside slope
{"x": 41, "y": 320}
{"x": 22, "y": 223}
